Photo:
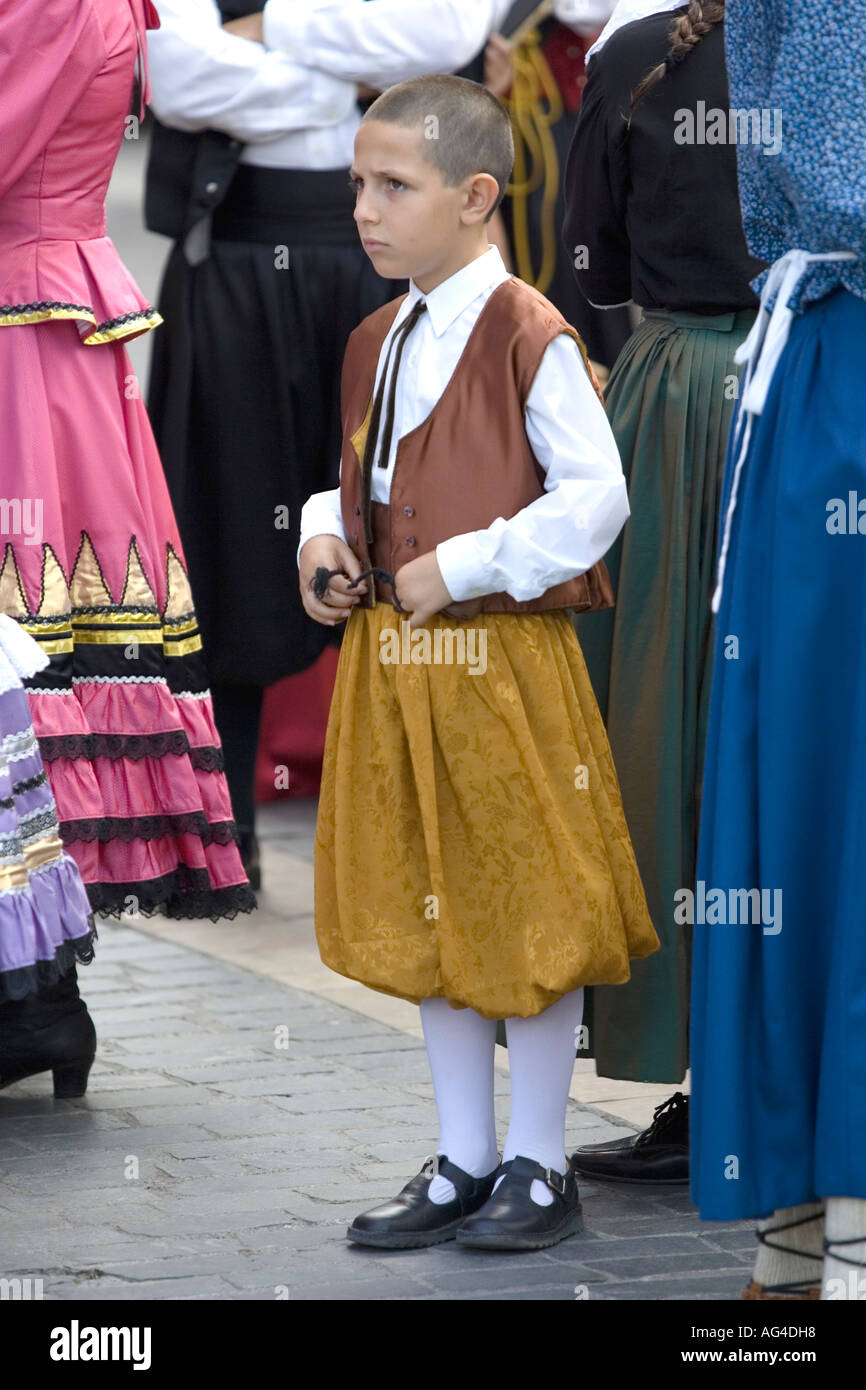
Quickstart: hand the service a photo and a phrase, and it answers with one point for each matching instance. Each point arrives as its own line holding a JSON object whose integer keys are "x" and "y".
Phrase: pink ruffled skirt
{"x": 93, "y": 568}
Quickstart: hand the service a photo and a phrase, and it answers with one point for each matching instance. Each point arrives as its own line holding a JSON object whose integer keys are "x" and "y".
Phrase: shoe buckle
{"x": 549, "y": 1176}
{"x": 431, "y": 1166}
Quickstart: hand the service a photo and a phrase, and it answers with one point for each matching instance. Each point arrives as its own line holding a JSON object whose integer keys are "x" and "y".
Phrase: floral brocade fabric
{"x": 471, "y": 842}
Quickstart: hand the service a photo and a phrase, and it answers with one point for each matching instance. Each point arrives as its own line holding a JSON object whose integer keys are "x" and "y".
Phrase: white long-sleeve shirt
{"x": 381, "y": 42}
{"x": 584, "y": 16}
{"x": 585, "y": 503}
{"x": 294, "y": 101}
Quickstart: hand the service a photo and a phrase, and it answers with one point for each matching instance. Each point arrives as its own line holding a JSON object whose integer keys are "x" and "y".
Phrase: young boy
{"x": 471, "y": 850}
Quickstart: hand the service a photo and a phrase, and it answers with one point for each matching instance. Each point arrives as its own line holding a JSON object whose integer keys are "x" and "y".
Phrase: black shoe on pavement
{"x": 510, "y": 1220}
{"x": 658, "y": 1154}
{"x": 411, "y": 1220}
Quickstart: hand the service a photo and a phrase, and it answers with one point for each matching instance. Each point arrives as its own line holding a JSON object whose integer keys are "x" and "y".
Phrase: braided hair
{"x": 685, "y": 33}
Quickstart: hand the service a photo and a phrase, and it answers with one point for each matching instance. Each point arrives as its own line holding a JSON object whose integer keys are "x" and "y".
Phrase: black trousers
{"x": 237, "y": 712}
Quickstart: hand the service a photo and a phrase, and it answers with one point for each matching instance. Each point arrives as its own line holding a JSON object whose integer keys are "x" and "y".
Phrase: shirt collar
{"x": 628, "y": 12}
{"x": 448, "y": 300}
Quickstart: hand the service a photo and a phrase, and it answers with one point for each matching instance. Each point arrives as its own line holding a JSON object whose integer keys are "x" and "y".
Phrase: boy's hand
{"x": 499, "y": 66}
{"x": 421, "y": 588}
{"x": 339, "y": 600}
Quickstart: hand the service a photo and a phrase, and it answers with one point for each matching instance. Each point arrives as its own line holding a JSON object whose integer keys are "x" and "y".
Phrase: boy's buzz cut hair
{"x": 470, "y": 132}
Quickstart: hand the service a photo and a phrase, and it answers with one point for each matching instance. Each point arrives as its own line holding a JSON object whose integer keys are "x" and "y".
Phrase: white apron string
{"x": 761, "y": 352}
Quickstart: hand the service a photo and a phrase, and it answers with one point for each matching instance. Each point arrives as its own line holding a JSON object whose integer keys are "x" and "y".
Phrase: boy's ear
{"x": 482, "y": 195}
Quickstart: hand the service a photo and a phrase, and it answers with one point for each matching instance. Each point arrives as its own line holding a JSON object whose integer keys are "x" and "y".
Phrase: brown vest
{"x": 470, "y": 461}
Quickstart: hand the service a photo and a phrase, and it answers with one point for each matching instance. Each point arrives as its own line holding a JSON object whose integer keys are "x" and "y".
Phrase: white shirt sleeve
{"x": 585, "y": 17}
{"x": 202, "y": 77}
{"x": 321, "y": 515}
{"x": 585, "y": 503}
{"x": 381, "y": 42}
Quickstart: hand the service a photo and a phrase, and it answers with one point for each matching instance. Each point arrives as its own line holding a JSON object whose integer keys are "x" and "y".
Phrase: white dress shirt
{"x": 585, "y": 503}
{"x": 381, "y": 42}
{"x": 294, "y": 101}
{"x": 584, "y": 16}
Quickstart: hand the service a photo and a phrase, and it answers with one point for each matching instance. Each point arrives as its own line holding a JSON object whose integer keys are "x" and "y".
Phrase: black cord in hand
{"x": 321, "y": 580}
{"x": 323, "y": 577}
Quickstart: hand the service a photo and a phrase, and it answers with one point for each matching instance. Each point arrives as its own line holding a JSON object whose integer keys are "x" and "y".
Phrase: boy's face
{"x": 410, "y": 222}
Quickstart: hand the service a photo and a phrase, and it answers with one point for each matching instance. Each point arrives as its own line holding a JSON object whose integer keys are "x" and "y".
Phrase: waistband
{"x": 715, "y": 323}
{"x": 288, "y": 206}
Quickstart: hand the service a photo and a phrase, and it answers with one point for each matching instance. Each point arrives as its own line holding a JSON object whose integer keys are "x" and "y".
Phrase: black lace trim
{"x": 29, "y": 784}
{"x": 183, "y": 893}
{"x": 44, "y": 304}
{"x": 215, "y": 903}
{"x": 134, "y": 746}
{"x": 35, "y": 823}
{"x": 207, "y": 759}
{"x": 92, "y": 611}
{"x": 127, "y": 828}
{"x": 125, "y": 318}
{"x": 26, "y": 979}
{"x": 105, "y": 327}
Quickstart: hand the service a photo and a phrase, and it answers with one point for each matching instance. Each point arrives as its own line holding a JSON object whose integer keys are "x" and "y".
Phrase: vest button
{"x": 357, "y": 511}
{"x": 211, "y": 187}
{"x": 355, "y": 538}
{"x": 408, "y": 511}
{"x": 410, "y": 540}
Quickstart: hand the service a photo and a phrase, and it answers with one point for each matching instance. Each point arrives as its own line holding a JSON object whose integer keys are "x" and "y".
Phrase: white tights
{"x": 541, "y": 1049}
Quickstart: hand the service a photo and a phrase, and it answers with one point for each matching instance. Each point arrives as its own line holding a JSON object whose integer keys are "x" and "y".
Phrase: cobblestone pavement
{"x": 233, "y": 1127}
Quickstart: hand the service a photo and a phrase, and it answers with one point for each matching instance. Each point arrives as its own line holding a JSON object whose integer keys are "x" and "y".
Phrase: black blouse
{"x": 660, "y": 221}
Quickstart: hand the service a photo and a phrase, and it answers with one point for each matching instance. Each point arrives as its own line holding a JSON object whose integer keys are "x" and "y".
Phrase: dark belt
{"x": 288, "y": 207}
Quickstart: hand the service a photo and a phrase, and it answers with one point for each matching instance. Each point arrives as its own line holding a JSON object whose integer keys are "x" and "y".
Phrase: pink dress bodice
{"x": 66, "y": 74}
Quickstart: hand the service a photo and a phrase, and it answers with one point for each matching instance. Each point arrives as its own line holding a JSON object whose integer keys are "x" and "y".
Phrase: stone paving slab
{"x": 210, "y": 1161}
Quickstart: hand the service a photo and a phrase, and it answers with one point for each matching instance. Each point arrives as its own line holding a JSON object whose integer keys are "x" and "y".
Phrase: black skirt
{"x": 245, "y": 405}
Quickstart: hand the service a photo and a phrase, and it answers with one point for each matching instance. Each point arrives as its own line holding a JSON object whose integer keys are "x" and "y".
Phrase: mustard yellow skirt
{"x": 471, "y": 843}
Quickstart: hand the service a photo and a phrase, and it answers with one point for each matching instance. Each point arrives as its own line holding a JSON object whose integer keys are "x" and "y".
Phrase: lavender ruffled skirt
{"x": 45, "y": 919}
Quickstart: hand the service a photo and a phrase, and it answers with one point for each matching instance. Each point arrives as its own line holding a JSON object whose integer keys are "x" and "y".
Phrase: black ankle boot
{"x": 49, "y": 1030}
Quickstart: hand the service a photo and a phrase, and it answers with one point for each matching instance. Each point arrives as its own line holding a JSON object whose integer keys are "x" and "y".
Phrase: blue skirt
{"x": 778, "y": 1029}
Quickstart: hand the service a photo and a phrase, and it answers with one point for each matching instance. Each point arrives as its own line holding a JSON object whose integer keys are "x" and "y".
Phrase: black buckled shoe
{"x": 512, "y": 1221}
{"x": 411, "y": 1220}
{"x": 658, "y": 1154}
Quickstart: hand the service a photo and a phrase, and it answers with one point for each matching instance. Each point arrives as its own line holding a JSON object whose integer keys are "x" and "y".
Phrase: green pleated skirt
{"x": 670, "y": 400}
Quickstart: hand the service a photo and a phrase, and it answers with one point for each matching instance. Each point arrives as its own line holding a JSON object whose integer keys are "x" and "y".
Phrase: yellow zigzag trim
{"x": 88, "y": 588}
